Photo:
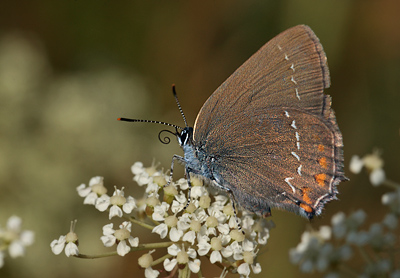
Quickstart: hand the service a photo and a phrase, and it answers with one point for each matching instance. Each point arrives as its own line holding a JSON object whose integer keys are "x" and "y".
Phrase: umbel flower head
{"x": 14, "y": 239}
{"x": 206, "y": 226}
{"x": 352, "y": 247}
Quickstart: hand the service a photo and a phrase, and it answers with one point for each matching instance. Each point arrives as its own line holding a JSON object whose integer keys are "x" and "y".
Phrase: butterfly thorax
{"x": 196, "y": 160}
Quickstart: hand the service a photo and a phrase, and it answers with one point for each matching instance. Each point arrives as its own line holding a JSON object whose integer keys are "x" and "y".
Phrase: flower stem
{"x": 155, "y": 245}
{"x": 140, "y": 223}
{"x": 83, "y": 256}
{"x": 141, "y": 247}
{"x": 391, "y": 184}
{"x": 184, "y": 273}
{"x": 160, "y": 260}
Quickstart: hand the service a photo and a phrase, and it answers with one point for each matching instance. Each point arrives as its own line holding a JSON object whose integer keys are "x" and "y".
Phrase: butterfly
{"x": 268, "y": 136}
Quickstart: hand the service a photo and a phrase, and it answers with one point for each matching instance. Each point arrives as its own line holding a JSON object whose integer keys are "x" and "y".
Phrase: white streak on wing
{"x": 287, "y": 180}
{"x": 296, "y": 156}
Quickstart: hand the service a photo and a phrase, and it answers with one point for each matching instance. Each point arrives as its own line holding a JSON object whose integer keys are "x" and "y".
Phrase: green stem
{"x": 391, "y": 184}
{"x": 141, "y": 247}
{"x": 148, "y": 246}
{"x": 83, "y": 256}
{"x": 184, "y": 273}
{"x": 160, "y": 260}
{"x": 140, "y": 223}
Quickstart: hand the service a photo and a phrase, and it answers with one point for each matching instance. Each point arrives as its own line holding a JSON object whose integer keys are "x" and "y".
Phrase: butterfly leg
{"x": 181, "y": 159}
{"x": 188, "y": 171}
{"x": 232, "y": 197}
{"x": 171, "y": 171}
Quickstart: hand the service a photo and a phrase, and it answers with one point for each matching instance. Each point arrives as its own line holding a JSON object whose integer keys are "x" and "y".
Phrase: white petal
{"x": 27, "y": 238}
{"x": 134, "y": 241}
{"x": 58, "y": 245}
{"x": 123, "y": 248}
{"x": 71, "y": 249}
{"x": 129, "y": 205}
{"x": 108, "y": 240}
{"x": 227, "y": 251}
{"x": 16, "y": 249}
{"x": 14, "y": 223}
{"x": 115, "y": 211}
{"x": 377, "y": 176}
{"x": 244, "y": 269}
{"x": 176, "y": 206}
{"x": 215, "y": 257}
{"x": 183, "y": 184}
{"x": 212, "y": 231}
{"x": 173, "y": 250}
{"x": 126, "y": 225}
{"x": 356, "y": 164}
{"x": 151, "y": 273}
{"x": 192, "y": 253}
{"x": 169, "y": 265}
{"x": 152, "y": 187}
{"x": 181, "y": 198}
{"x": 108, "y": 229}
{"x": 197, "y": 191}
{"x": 137, "y": 168}
{"x": 248, "y": 245}
{"x": 95, "y": 180}
{"x": 194, "y": 266}
{"x": 142, "y": 179}
{"x": 189, "y": 237}
{"x": 161, "y": 229}
{"x": 325, "y": 232}
{"x": 103, "y": 202}
{"x": 175, "y": 234}
{"x": 247, "y": 223}
{"x": 83, "y": 191}
{"x": 183, "y": 224}
{"x": 223, "y": 229}
{"x": 90, "y": 198}
{"x": 256, "y": 268}
{"x": 203, "y": 248}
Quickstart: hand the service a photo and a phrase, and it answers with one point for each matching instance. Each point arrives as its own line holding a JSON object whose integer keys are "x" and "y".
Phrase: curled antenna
{"x": 179, "y": 105}
{"x": 166, "y": 139}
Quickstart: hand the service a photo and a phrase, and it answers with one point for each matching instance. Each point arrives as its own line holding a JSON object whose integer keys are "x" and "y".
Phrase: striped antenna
{"x": 148, "y": 121}
{"x": 179, "y": 105}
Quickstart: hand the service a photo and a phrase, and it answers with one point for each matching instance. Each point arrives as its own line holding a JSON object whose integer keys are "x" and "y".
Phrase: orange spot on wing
{"x": 306, "y": 198}
{"x": 321, "y": 148}
{"x": 323, "y": 163}
{"x": 307, "y": 208}
{"x": 320, "y": 179}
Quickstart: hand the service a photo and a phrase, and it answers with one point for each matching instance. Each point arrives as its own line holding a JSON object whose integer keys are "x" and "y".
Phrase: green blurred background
{"x": 69, "y": 69}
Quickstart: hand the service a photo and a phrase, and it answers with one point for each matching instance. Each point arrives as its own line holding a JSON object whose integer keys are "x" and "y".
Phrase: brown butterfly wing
{"x": 271, "y": 131}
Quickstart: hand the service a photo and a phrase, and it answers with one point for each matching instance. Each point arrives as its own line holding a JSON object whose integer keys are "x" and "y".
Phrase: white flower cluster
{"x": 333, "y": 249}
{"x": 206, "y": 228}
{"x": 96, "y": 194}
{"x": 13, "y": 239}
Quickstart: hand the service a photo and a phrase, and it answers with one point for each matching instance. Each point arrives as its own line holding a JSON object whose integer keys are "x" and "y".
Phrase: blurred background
{"x": 69, "y": 69}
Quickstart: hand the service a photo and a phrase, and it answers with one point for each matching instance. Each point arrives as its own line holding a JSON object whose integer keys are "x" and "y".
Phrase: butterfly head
{"x": 185, "y": 137}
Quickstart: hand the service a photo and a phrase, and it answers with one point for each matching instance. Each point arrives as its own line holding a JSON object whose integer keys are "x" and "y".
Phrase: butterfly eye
{"x": 184, "y": 136}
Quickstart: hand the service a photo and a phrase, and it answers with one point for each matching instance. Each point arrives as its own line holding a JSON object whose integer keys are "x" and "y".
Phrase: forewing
{"x": 290, "y": 70}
